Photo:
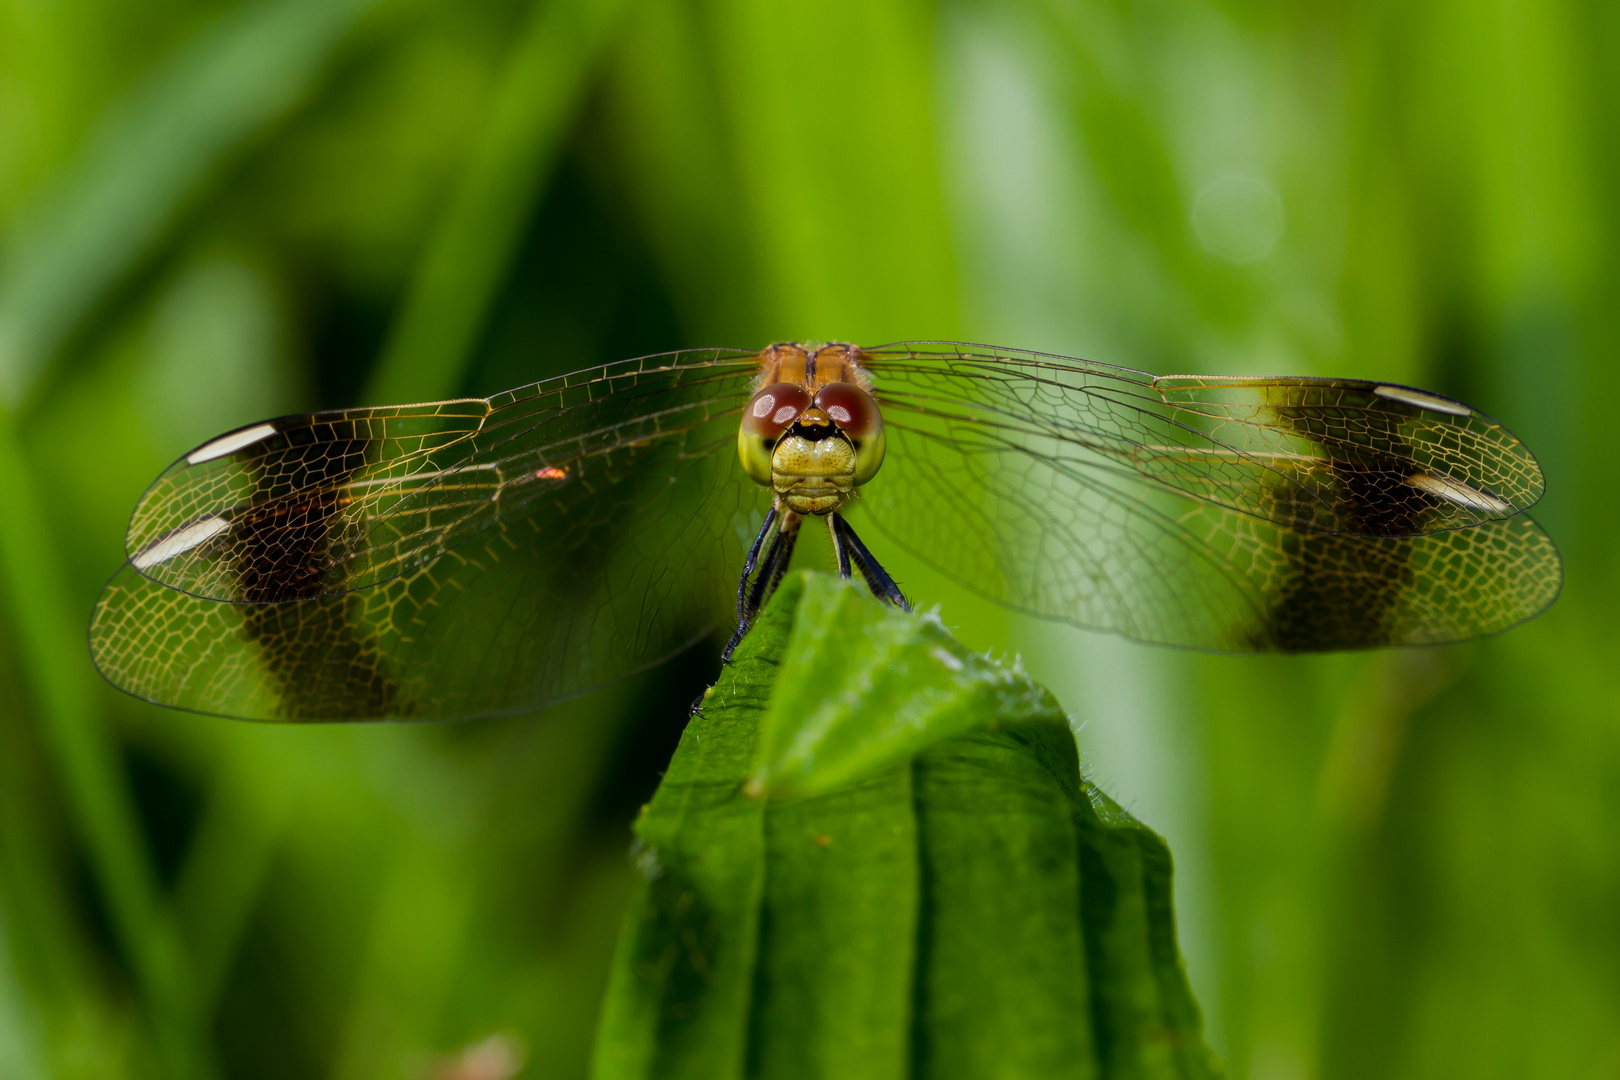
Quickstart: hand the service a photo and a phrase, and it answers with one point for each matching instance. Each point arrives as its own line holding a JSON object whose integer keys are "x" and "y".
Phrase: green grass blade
{"x": 224, "y": 874}
{"x": 19, "y": 1023}
{"x": 50, "y": 642}
{"x": 467, "y": 257}
{"x": 153, "y": 152}
{"x": 873, "y": 856}
{"x": 838, "y": 162}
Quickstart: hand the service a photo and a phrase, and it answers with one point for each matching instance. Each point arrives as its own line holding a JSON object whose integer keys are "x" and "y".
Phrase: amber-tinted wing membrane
{"x": 454, "y": 559}
{"x": 1242, "y": 514}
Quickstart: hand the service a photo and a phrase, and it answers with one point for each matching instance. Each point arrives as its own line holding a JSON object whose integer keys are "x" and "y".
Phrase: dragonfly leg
{"x": 877, "y": 578}
{"x": 839, "y": 548}
{"x": 787, "y": 537}
{"x": 771, "y": 569}
{"x": 748, "y": 568}
{"x": 754, "y": 594}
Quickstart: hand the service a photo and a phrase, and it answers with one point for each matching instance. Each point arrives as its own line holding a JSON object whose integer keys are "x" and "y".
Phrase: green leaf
{"x": 858, "y": 692}
{"x": 873, "y": 855}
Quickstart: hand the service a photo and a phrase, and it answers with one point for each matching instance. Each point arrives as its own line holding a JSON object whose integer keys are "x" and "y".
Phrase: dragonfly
{"x": 484, "y": 556}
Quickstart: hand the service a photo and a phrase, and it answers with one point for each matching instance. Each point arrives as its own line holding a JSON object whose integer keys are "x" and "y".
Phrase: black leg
{"x": 771, "y": 570}
{"x": 877, "y": 578}
{"x": 839, "y": 548}
{"x": 748, "y": 567}
{"x": 790, "y": 536}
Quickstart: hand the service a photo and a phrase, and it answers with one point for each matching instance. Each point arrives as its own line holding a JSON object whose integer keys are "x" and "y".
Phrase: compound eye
{"x": 851, "y": 408}
{"x": 772, "y": 410}
{"x": 857, "y": 415}
{"x": 769, "y": 413}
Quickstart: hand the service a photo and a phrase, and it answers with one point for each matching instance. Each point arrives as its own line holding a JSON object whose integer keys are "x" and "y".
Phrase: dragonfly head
{"x": 812, "y": 451}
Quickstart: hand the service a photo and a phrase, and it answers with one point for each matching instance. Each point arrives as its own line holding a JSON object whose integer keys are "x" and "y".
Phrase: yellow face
{"x": 813, "y": 433}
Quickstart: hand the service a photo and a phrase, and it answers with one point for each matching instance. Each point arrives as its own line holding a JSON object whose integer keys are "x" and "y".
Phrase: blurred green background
{"x": 1394, "y": 864}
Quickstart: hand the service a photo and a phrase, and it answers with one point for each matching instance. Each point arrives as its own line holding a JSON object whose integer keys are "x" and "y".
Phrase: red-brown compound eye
{"x": 769, "y": 413}
{"x": 857, "y": 415}
{"x": 772, "y": 410}
{"x": 851, "y": 408}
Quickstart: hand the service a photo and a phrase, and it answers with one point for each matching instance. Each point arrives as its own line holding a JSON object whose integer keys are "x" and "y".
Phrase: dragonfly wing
{"x": 1317, "y": 455}
{"x": 1324, "y": 591}
{"x": 614, "y": 545}
{"x": 1341, "y": 455}
{"x": 1081, "y": 494}
{"x": 329, "y": 502}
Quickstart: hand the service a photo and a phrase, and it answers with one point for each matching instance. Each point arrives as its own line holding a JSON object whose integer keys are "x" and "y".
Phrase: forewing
{"x": 1315, "y": 455}
{"x": 590, "y": 529}
{"x": 1081, "y": 493}
{"x": 304, "y": 506}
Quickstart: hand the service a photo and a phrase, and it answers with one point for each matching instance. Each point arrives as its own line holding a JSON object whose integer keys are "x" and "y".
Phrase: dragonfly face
{"x": 812, "y": 432}
{"x": 478, "y": 556}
